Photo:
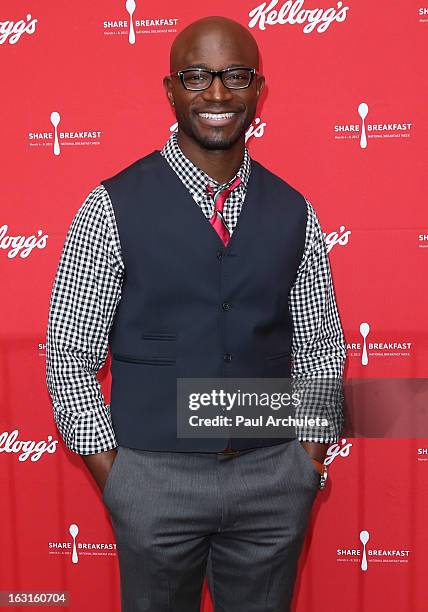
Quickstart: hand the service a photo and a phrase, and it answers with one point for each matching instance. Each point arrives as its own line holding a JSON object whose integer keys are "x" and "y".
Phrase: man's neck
{"x": 220, "y": 164}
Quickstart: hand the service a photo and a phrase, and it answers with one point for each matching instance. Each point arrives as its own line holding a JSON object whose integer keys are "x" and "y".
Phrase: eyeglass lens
{"x": 233, "y": 79}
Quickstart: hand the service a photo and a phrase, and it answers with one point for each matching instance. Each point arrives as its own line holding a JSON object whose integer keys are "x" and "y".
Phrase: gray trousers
{"x": 247, "y": 513}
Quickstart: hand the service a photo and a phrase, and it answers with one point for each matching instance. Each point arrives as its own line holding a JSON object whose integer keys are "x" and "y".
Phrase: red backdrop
{"x": 356, "y": 58}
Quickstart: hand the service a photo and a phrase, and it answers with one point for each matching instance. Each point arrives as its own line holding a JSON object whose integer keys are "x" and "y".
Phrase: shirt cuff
{"x": 86, "y": 432}
{"x": 333, "y": 439}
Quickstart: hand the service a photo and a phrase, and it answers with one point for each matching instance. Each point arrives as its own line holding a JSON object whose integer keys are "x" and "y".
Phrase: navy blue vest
{"x": 191, "y": 307}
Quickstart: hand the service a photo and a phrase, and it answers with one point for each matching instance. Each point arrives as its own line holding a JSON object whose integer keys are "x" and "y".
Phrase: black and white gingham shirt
{"x": 196, "y": 181}
{"x": 87, "y": 289}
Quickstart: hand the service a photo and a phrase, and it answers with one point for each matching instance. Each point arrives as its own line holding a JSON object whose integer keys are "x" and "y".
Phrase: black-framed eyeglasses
{"x": 198, "y": 79}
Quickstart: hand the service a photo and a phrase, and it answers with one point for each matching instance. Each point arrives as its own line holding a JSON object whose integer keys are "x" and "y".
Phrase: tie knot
{"x": 217, "y": 219}
{"x": 223, "y": 193}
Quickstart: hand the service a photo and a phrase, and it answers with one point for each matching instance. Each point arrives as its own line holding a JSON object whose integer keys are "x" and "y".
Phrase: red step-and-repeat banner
{"x": 344, "y": 120}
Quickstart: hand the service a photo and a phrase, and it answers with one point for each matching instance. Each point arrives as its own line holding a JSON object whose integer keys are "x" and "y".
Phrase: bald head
{"x": 215, "y": 117}
{"x": 215, "y": 37}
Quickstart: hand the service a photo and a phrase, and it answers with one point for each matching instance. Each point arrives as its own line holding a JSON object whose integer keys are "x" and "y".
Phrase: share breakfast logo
{"x": 371, "y": 348}
{"x": 423, "y": 14}
{"x": 131, "y": 25}
{"x": 422, "y": 454}
{"x": 74, "y": 548}
{"x": 365, "y": 555}
{"x": 57, "y": 138}
{"x": 423, "y": 241}
{"x": 368, "y": 130}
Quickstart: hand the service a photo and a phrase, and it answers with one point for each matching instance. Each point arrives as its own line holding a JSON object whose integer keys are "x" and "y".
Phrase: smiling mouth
{"x": 216, "y": 116}
{"x": 216, "y": 119}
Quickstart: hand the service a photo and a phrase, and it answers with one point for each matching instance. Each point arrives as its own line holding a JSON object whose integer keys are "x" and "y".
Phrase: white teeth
{"x": 216, "y": 116}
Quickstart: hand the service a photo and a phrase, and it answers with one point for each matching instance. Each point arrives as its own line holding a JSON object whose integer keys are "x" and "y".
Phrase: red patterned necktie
{"x": 217, "y": 219}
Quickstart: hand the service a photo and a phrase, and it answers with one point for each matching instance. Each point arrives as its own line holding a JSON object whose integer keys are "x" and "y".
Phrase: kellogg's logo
{"x": 341, "y": 238}
{"x": 21, "y": 244}
{"x": 256, "y": 129}
{"x": 13, "y": 30}
{"x": 9, "y": 443}
{"x": 292, "y": 13}
{"x": 339, "y": 449}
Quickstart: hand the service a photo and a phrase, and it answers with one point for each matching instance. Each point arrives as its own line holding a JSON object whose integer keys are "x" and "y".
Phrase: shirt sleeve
{"x": 84, "y": 297}
{"x": 318, "y": 346}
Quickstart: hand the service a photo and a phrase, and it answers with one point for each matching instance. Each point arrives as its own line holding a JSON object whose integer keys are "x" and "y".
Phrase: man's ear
{"x": 260, "y": 84}
{"x": 167, "y": 84}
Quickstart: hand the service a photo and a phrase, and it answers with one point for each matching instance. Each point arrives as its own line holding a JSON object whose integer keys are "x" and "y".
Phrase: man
{"x": 142, "y": 271}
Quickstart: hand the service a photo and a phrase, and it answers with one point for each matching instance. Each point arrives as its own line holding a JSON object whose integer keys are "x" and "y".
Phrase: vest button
{"x": 226, "y": 306}
{"x": 219, "y": 254}
{"x": 227, "y": 357}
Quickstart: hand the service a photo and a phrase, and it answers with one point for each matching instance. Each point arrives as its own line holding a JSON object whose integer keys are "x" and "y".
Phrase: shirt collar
{"x": 193, "y": 177}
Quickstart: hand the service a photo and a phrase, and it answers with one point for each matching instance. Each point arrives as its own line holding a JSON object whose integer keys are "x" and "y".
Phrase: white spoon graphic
{"x": 364, "y": 331}
{"x": 363, "y": 109}
{"x": 74, "y": 530}
{"x": 364, "y": 537}
{"x": 130, "y": 7}
{"x": 55, "y": 119}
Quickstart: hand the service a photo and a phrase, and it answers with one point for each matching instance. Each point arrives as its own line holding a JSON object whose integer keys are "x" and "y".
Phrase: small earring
{"x": 173, "y": 103}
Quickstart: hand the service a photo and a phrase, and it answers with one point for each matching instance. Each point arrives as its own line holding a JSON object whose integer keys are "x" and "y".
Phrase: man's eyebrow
{"x": 206, "y": 67}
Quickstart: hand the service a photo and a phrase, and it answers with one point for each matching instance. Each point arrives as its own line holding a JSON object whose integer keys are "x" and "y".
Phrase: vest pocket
{"x": 279, "y": 355}
{"x": 145, "y": 360}
{"x": 158, "y": 336}
{"x": 278, "y": 365}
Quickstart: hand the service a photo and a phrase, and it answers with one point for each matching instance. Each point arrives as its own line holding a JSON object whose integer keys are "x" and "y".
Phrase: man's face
{"x": 215, "y": 50}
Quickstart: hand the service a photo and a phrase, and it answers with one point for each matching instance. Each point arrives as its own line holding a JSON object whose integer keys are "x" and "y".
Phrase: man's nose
{"x": 217, "y": 91}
